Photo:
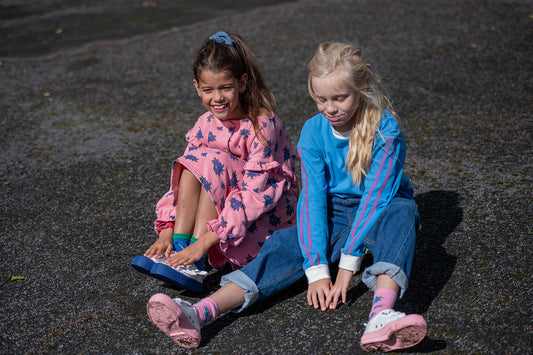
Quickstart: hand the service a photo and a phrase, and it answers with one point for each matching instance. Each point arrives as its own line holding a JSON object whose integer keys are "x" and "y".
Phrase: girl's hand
{"x": 195, "y": 251}
{"x": 317, "y": 292}
{"x": 163, "y": 245}
{"x": 340, "y": 288}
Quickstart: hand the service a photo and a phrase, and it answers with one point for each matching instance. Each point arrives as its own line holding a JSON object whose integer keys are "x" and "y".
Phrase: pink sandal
{"x": 176, "y": 318}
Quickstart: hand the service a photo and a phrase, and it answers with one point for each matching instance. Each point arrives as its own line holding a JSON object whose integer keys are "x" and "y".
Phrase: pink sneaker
{"x": 176, "y": 318}
{"x": 391, "y": 330}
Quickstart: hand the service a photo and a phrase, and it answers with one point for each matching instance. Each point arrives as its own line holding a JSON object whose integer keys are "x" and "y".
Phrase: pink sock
{"x": 207, "y": 310}
{"x": 384, "y": 298}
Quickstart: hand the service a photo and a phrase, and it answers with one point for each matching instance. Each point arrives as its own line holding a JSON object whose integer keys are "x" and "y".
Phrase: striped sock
{"x": 207, "y": 310}
{"x": 384, "y": 298}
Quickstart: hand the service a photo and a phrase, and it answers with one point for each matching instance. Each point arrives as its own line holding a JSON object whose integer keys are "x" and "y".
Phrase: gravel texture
{"x": 87, "y": 135}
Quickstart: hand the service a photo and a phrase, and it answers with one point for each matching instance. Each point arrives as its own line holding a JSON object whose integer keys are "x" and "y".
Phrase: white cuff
{"x": 318, "y": 272}
{"x": 350, "y": 262}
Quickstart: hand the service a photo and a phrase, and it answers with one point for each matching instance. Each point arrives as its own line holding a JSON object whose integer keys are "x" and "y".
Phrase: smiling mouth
{"x": 219, "y": 108}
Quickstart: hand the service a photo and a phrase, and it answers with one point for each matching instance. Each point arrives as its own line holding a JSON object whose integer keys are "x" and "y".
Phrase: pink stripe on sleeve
{"x": 305, "y": 211}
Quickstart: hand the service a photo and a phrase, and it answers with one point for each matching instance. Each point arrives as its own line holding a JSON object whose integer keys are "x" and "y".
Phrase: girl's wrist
{"x": 166, "y": 234}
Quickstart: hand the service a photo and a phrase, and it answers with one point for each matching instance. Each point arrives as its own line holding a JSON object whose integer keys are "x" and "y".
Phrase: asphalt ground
{"x": 87, "y": 135}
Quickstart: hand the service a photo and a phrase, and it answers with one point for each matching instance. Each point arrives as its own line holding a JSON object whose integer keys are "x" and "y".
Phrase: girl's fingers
{"x": 313, "y": 300}
{"x": 174, "y": 260}
{"x": 149, "y": 253}
{"x": 316, "y": 302}
{"x": 323, "y": 301}
{"x": 344, "y": 296}
{"x": 333, "y": 299}
{"x": 179, "y": 259}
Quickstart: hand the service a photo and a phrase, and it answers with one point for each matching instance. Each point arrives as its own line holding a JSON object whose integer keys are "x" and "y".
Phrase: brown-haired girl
{"x": 235, "y": 184}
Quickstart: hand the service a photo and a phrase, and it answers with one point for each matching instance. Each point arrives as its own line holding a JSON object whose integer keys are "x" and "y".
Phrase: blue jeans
{"x": 279, "y": 263}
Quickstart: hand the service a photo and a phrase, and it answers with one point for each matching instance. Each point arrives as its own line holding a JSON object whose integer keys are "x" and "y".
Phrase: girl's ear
{"x": 197, "y": 86}
{"x": 242, "y": 82}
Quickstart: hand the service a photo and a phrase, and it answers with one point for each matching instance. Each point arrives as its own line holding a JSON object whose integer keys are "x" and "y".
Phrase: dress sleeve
{"x": 165, "y": 212}
{"x": 262, "y": 186}
{"x": 379, "y": 186}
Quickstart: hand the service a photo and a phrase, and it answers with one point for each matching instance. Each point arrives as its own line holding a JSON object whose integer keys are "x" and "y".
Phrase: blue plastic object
{"x": 142, "y": 264}
{"x": 167, "y": 274}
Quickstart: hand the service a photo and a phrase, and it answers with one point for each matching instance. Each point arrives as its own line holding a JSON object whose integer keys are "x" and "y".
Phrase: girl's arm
{"x": 312, "y": 225}
{"x": 312, "y": 214}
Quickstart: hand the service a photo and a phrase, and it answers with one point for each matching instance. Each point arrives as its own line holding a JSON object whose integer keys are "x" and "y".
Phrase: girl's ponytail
{"x": 256, "y": 99}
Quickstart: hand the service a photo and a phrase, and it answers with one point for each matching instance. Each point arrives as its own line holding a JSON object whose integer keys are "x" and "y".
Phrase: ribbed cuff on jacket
{"x": 350, "y": 262}
{"x": 318, "y": 272}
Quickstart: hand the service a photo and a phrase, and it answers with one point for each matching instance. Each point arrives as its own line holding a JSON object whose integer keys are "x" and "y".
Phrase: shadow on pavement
{"x": 440, "y": 214}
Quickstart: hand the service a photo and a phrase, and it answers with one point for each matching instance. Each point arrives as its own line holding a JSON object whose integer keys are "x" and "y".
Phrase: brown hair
{"x": 237, "y": 58}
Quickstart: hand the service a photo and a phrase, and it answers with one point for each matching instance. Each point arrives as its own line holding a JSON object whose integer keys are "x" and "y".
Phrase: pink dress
{"x": 252, "y": 184}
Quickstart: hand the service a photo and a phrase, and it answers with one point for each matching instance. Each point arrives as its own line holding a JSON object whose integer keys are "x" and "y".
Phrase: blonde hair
{"x": 346, "y": 61}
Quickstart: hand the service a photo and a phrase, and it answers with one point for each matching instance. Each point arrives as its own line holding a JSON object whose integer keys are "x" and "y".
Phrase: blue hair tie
{"x": 222, "y": 37}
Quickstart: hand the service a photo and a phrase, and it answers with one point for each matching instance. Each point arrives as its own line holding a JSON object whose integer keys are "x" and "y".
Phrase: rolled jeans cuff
{"x": 393, "y": 271}
{"x": 251, "y": 292}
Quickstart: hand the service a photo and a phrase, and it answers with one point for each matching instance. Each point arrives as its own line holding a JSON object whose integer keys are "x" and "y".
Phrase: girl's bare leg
{"x": 228, "y": 297}
{"x": 384, "y": 281}
{"x": 205, "y": 212}
{"x": 187, "y": 204}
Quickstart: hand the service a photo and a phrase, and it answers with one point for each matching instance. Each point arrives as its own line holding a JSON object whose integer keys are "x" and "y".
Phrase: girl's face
{"x": 336, "y": 101}
{"x": 220, "y": 93}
